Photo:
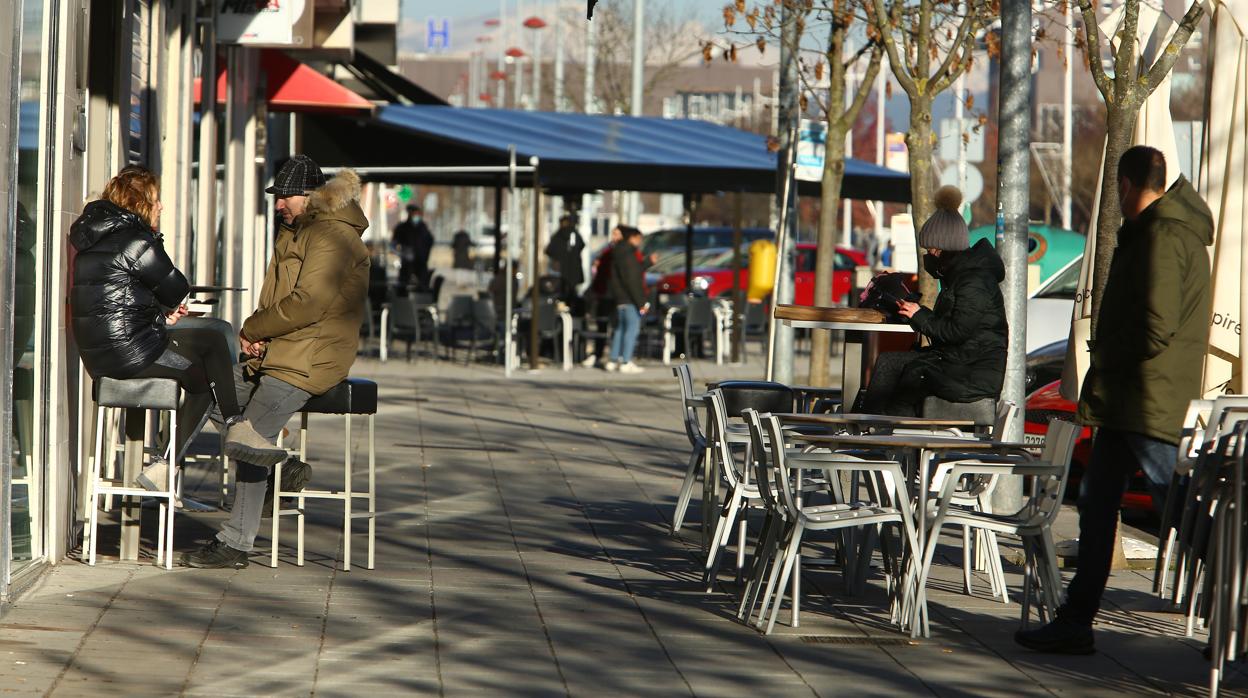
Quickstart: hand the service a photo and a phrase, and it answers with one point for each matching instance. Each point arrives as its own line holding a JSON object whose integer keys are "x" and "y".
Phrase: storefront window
{"x": 27, "y": 467}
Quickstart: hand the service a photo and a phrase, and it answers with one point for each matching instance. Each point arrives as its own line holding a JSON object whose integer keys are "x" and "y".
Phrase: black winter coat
{"x": 123, "y": 285}
{"x": 626, "y": 284}
{"x": 966, "y": 359}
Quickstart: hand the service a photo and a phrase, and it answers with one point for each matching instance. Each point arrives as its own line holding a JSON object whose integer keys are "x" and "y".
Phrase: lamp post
{"x": 514, "y": 56}
{"x": 536, "y": 24}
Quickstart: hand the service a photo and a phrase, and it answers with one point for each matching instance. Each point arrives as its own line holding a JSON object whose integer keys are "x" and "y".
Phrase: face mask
{"x": 417, "y": 219}
{"x": 931, "y": 264}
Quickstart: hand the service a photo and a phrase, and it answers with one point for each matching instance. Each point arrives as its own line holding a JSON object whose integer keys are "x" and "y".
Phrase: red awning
{"x": 294, "y": 87}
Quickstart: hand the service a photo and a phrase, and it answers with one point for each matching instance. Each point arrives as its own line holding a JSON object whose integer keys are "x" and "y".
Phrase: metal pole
{"x": 508, "y": 301}
{"x": 780, "y": 358}
{"x": 738, "y": 293}
{"x": 959, "y": 107}
{"x": 500, "y": 99}
{"x": 879, "y": 138}
{"x": 591, "y": 57}
{"x": 535, "y": 293}
{"x": 206, "y": 226}
{"x": 690, "y": 206}
{"x": 535, "y": 101}
{"x": 636, "y": 102}
{"x": 498, "y": 226}
{"x": 1013, "y": 186}
{"x": 847, "y": 206}
{"x": 559, "y": 56}
{"x": 1068, "y": 51}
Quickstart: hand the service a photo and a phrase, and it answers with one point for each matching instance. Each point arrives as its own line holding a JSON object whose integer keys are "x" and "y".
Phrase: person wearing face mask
{"x": 967, "y": 331}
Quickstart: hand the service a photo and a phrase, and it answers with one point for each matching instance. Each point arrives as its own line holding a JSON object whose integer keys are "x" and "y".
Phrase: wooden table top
{"x": 915, "y": 441}
{"x": 876, "y": 420}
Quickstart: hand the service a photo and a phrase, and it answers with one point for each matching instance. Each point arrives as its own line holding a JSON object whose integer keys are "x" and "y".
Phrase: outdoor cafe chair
{"x": 690, "y": 403}
{"x": 1191, "y": 443}
{"x": 1033, "y": 523}
{"x": 887, "y": 504}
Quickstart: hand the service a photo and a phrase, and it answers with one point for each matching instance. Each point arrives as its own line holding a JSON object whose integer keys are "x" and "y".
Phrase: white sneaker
{"x": 631, "y": 367}
{"x": 590, "y": 361}
{"x": 612, "y": 366}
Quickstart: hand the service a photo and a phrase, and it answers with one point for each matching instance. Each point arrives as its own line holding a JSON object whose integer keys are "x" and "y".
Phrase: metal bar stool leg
{"x": 301, "y": 518}
{"x": 372, "y": 491}
{"x": 346, "y": 500}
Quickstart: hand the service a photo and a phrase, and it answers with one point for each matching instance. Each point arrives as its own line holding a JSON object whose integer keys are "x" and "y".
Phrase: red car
{"x": 715, "y": 278}
{"x": 1047, "y": 403}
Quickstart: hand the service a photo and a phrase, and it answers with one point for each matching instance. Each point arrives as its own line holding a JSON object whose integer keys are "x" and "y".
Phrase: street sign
{"x": 950, "y": 135}
{"x": 896, "y": 154}
{"x": 811, "y": 141}
{"x": 972, "y": 188}
{"x": 405, "y": 193}
{"x": 438, "y": 34}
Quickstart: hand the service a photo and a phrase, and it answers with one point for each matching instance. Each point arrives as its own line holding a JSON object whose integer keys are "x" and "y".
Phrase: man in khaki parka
{"x": 303, "y": 337}
{"x": 1151, "y": 337}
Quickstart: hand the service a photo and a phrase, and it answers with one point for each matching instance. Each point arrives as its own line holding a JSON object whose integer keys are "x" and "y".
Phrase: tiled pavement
{"x": 523, "y": 550}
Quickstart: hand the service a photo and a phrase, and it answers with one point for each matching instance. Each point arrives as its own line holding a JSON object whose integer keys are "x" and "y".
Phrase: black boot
{"x": 1059, "y": 637}
{"x": 295, "y": 476}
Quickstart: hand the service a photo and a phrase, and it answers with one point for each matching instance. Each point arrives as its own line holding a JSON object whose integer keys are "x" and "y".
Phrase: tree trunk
{"x": 825, "y": 263}
{"x": 1120, "y": 125}
{"x": 922, "y": 181}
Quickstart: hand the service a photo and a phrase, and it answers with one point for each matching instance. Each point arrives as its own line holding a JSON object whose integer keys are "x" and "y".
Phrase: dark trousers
{"x": 1116, "y": 456}
{"x": 199, "y": 359}
{"x": 893, "y": 390}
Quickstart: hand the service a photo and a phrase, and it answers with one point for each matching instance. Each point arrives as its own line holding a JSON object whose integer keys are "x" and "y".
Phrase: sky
{"x": 466, "y": 17}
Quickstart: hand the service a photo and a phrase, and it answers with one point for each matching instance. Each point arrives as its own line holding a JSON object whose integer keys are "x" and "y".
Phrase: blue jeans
{"x": 1116, "y": 455}
{"x": 627, "y": 327}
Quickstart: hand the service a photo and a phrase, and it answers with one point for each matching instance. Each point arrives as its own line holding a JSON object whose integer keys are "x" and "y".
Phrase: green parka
{"x": 1153, "y": 324}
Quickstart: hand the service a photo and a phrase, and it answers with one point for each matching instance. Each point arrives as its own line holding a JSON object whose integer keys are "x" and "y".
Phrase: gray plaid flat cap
{"x": 298, "y": 176}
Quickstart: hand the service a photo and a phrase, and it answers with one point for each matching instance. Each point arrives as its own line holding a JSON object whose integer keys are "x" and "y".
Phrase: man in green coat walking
{"x": 1154, "y": 321}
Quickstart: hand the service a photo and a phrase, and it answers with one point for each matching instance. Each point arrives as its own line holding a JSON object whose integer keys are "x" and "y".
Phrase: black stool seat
{"x": 352, "y": 396}
{"x": 138, "y": 393}
{"x": 982, "y": 411}
{"x": 764, "y": 396}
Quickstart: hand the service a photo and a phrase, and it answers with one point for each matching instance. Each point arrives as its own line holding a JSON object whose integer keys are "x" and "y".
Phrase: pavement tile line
{"x": 553, "y": 453}
{"x": 199, "y": 649}
{"x": 425, "y": 467}
{"x": 489, "y": 455}
{"x": 95, "y": 624}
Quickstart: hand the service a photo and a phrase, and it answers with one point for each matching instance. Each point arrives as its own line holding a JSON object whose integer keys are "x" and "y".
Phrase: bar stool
{"x": 350, "y": 397}
{"x": 135, "y": 396}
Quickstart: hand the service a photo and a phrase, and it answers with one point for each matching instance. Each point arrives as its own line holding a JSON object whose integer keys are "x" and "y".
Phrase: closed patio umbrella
{"x": 1153, "y": 127}
{"x": 1224, "y": 185}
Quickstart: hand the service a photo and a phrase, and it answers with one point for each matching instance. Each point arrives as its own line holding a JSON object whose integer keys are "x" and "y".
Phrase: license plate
{"x": 1033, "y": 439}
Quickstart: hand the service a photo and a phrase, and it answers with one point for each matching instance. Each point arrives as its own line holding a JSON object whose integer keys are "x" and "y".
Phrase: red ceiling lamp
{"x": 498, "y": 75}
{"x": 486, "y": 97}
{"x": 534, "y": 23}
{"x": 494, "y": 22}
{"x": 514, "y": 52}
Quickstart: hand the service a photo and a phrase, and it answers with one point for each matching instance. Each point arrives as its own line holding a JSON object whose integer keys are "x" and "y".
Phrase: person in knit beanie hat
{"x": 946, "y": 229}
{"x": 965, "y": 360}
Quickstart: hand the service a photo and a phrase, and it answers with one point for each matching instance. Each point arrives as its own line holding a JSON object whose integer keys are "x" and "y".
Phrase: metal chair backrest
{"x": 761, "y": 462}
{"x": 483, "y": 315}
{"x": 547, "y": 318}
{"x": 459, "y": 312}
{"x": 755, "y": 318}
{"x": 693, "y": 426}
{"x": 1007, "y": 414}
{"x": 779, "y": 472}
{"x": 1059, "y": 449}
{"x": 733, "y": 470}
{"x": 699, "y": 313}
{"x": 403, "y": 314}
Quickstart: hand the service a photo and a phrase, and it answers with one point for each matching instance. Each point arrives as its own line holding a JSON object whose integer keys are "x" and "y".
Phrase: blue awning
{"x": 582, "y": 152}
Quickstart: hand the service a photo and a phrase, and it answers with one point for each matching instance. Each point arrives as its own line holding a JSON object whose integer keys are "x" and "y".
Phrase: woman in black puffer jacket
{"x": 969, "y": 335}
{"x": 127, "y": 295}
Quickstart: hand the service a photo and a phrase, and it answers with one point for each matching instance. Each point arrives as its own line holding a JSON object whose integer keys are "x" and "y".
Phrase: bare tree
{"x": 1124, "y": 92}
{"x": 929, "y": 44}
{"x": 672, "y": 39}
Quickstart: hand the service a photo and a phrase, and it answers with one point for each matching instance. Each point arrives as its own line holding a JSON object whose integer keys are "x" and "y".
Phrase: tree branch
{"x": 883, "y": 23}
{"x": 865, "y": 87}
{"x": 1165, "y": 61}
{"x": 1092, "y": 34}
{"x": 1125, "y": 64}
{"x": 965, "y": 29}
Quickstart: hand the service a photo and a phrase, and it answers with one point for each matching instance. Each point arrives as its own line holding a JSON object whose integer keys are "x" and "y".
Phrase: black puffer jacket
{"x": 124, "y": 284}
{"x": 966, "y": 359}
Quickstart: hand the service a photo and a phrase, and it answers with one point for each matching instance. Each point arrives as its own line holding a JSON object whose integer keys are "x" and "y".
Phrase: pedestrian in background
{"x": 1154, "y": 318}
{"x": 598, "y": 300}
{"x": 628, "y": 289}
{"x": 564, "y": 251}
{"x": 413, "y": 242}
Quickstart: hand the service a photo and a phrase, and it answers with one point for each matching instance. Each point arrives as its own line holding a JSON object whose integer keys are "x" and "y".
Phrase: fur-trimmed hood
{"x": 338, "y": 200}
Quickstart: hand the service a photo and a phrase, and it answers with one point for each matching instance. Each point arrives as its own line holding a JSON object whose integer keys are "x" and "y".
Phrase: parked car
{"x": 1044, "y": 365}
{"x": 671, "y": 240}
{"x": 1047, "y": 403}
{"x": 714, "y": 277}
{"x": 1050, "y": 308}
